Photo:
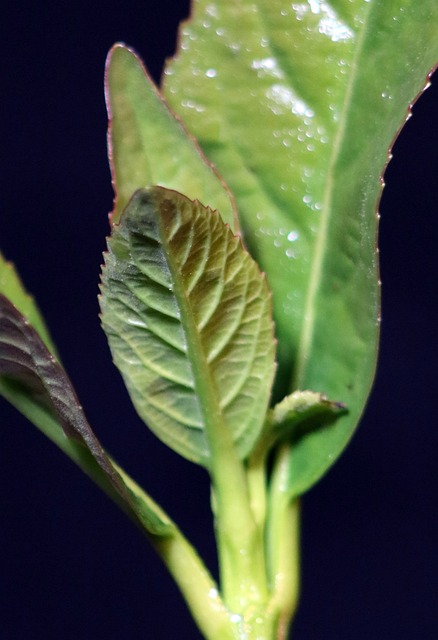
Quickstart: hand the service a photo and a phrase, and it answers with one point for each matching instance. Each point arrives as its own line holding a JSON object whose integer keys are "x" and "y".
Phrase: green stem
{"x": 241, "y": 558}
{"x": 256, "y": 477}
{"x": 240, "y": 546}
{"x": 282, "y": 547}
{"x": 196, "y": 585}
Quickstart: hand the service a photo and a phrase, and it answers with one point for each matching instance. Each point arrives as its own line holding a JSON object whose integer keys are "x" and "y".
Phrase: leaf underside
{"x": 188, "y": 318}
{"x": 297, "y": 105}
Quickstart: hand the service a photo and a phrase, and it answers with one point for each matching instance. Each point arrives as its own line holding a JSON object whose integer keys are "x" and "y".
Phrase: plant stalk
{"x": 282, "y": 546}
{"x": 196, "y": 585}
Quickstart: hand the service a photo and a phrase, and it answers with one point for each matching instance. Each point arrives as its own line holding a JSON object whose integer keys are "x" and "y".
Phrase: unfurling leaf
{"x": 297, "y": 415}
{"x": 188, "y": 317}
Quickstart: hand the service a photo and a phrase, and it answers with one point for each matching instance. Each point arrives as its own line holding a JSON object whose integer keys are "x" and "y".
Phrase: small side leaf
{"x": 148, "y": 145}
{"x": 33, "y": 380}
{"x": 295, "y": 416}
{"x": 188, "y": 318}
{"x": 301, "y": 412}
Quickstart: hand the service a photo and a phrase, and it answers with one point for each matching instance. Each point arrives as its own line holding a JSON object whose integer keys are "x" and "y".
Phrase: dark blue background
{"x": 72, "y": 566}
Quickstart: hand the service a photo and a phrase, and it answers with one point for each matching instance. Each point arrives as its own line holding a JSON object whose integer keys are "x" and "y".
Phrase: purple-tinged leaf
{"x": 36, "y": 383}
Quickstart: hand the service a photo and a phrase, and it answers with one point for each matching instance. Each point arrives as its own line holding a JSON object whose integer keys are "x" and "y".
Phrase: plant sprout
{"x": 240, "y": 287}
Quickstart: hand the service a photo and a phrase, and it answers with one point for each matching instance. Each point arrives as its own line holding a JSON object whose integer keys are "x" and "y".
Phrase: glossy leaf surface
{"x": 297, "y": 105}
{"x": 36, "y": 384}
{"x": 148, "y": 145}
{"x": 188, "y": 318}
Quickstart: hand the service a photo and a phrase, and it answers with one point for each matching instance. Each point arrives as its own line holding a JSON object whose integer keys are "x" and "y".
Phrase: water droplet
{"x": 235, "y": 47}
{"x": 292, "y": 236}
{"x": 191, "y": 104}
{"x": 267, "y": 67}
{"x": 283, "y": 99}
{"x": 211, "y": 10}
{"x": 235, "y": 617}
{"x": 211, "y": 73}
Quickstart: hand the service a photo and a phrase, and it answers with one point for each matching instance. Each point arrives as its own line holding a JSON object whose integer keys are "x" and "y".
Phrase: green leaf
{"x": 297, "y": 415}
{"x": 188, "y": 318}
{"x": 300, "y": 413}
{"x": 148, "y": 145}
{"x": 34, "y": 382}
{"x": 297, "y": 105}
{"x": 12, "y": 288}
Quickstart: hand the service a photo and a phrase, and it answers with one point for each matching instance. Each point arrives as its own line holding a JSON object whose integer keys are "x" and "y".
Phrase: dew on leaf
{"x": 211, "y": 10}
{"x": 292, "y": 236}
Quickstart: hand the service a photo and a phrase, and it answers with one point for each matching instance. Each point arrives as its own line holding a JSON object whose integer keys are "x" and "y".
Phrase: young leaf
{"x": 188, "y": 318}
{"x": 297, "y": 105}
{"x": 297, "y": 415}
{"x": 33, "y": 381}
{"x": 148, "y": 145}
{"x": 12, "y": 288}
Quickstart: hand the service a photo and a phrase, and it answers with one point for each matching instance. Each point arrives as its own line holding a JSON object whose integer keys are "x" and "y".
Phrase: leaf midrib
{"x": 211, "y": 412}
{"x": 309, "y": 315}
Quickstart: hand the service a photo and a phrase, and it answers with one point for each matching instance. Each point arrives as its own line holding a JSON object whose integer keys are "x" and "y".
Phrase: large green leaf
{"x": 148, "y": 145}
{"x": 297, "y": 105}
{"x": 188, "y": 318}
